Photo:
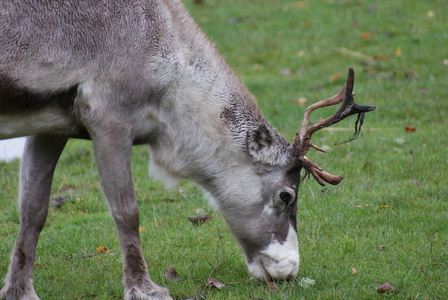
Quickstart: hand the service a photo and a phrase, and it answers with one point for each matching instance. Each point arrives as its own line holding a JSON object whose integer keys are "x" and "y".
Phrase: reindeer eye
{"x": 285, "y": 197}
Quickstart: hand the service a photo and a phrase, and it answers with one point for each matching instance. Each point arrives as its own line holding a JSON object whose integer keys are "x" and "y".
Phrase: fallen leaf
{"x": 197, "y": 220}
{"x": 102, "y": 249}
{"x": 335, "y": 77}
{"x": 366, "y": 35}
{"x": 387, "y": 288}
{"x": 302, "y": 101}
{"x": 409, "y": 128}
{"x": 141, "y": 229}
{"x": 354, "y": 271}
{"x": 398, "y": 52}
{"x": 171, "y": 274}
{"x": 213, "y": 282}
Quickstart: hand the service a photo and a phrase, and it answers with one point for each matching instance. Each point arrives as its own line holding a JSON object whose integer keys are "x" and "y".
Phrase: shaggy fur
{"x": 132, "y": 72}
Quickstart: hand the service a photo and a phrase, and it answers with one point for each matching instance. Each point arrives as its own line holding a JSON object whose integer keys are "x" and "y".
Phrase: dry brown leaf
{"x": 366, "y": 35}
{"x": 200, "y": 219}
{"x": 213, "y": 282}
{"x": 335, "y": 77}
{"x": 171, "y": 274}
{"x": 386, "y": 287}
{"x": 409, "y": 129}
{"x": 102, "y": 249}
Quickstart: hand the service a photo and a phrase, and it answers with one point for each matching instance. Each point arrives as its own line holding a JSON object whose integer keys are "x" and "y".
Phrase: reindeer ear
{"x": 259, "y": 144}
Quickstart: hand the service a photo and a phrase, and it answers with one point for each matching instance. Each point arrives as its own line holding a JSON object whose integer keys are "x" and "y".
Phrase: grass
{"x": 387, "y": 220}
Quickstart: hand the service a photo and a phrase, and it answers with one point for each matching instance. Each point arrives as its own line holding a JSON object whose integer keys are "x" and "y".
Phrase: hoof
{"x": 14, "y": 293}
{"x": 152, "y": 293}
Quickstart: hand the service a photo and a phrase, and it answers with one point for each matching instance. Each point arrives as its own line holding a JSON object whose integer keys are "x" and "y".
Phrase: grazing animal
{"x": 141, "y": 72}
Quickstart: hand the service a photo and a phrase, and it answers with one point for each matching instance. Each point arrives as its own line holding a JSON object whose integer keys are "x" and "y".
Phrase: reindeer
{"x": 141, "y": 72}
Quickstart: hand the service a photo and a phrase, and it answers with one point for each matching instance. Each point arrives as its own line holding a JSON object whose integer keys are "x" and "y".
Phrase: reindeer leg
{"x": 36, "y": 174}
{"x": 112, "y": 140}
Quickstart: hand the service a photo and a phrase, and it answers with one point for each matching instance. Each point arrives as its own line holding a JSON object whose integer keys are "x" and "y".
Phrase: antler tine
{"x": 304, "y": 134}
{"x": 348, "y": 107}
{"x": 303, "y": 137}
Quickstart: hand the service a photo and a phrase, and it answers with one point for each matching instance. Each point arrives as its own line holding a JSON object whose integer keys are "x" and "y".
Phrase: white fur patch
{"x": 280, "y": 261}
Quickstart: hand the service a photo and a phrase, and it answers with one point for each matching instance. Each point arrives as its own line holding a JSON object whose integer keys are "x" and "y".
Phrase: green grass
{"x": 401, "y": 71}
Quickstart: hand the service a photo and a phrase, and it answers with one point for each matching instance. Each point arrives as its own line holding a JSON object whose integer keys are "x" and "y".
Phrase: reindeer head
{"x": 266, "y": 227}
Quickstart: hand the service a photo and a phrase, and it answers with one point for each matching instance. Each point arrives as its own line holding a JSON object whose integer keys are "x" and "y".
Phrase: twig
{"x": 355, "y": 53}
{"x": 85, "y": 255}
{"x": 216, "y": 267}
{"x": 351, "y": 129}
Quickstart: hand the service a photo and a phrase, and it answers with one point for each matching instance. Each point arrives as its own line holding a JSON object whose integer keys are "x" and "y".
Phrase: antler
{"x": 303, "y": 138}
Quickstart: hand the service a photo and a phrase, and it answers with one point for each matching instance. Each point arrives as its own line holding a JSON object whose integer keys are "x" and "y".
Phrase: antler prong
{"x": 319, "y": 174}
{"x": 317, "y": 148}
{"x": 302, "y": 140}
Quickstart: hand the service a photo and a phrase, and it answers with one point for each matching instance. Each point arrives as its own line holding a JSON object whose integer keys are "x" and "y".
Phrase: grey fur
{"x": 132, "y": 72}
